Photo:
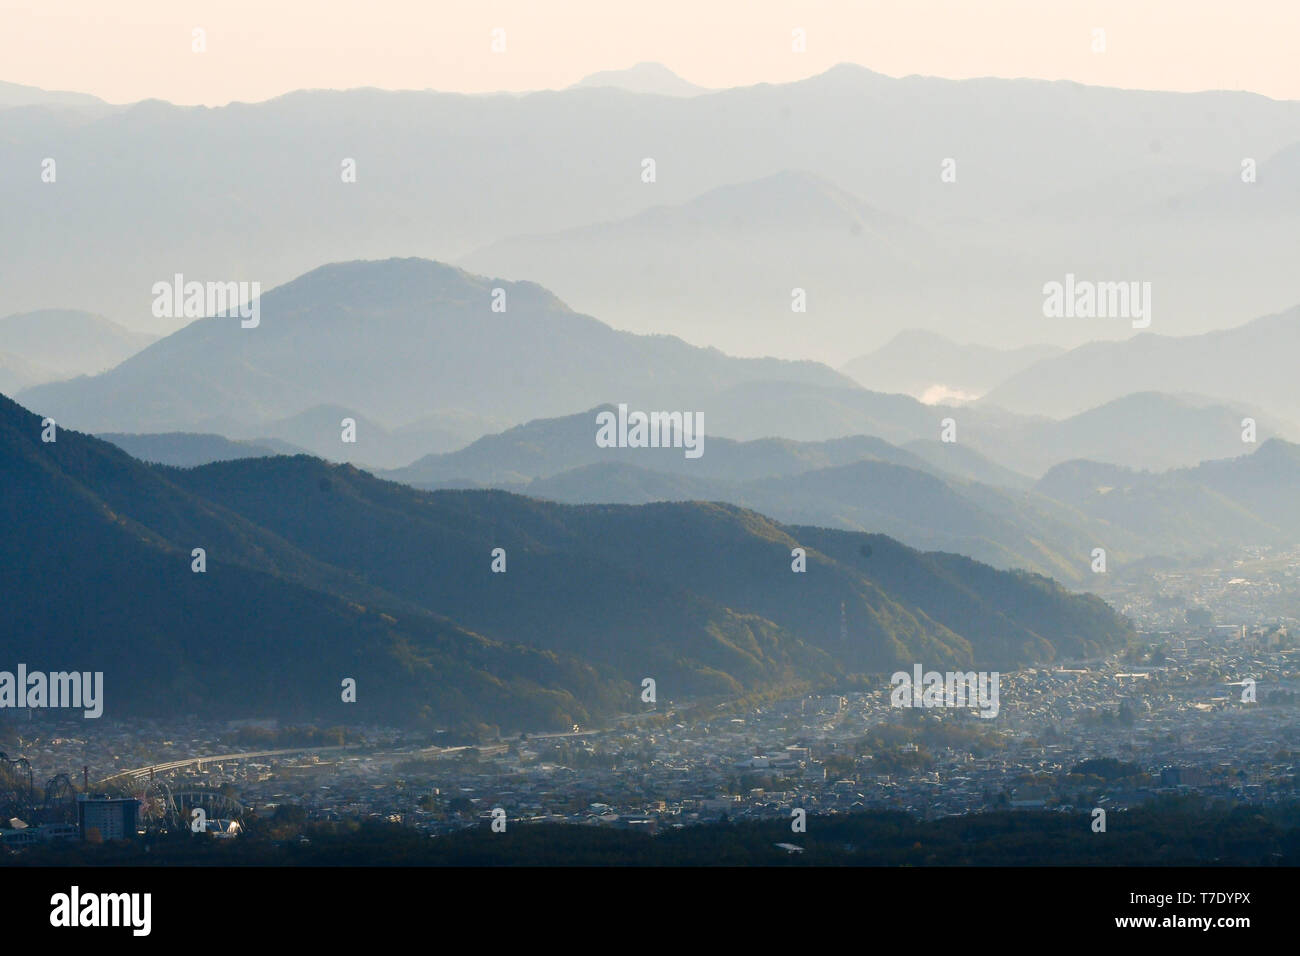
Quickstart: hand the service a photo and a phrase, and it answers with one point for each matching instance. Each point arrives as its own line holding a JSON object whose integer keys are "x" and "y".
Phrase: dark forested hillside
{"x": 316, "y": 572}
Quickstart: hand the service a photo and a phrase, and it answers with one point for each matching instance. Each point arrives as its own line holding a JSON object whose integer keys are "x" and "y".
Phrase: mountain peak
{"x": 15, "y": 94}
{"x": 380, "y": 281}
{"x": 395, "y": 340}
{"x": 846, "y": 76}
{"x": 1277, "y": 450}
{"x": 646, "y": 77}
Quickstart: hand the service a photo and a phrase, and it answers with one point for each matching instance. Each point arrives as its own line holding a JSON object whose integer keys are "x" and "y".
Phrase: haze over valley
{"x": 671, "y": 455}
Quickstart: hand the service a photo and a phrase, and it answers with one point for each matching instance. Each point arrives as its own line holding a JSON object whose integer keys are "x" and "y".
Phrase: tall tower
{"x": 844, "y": 625}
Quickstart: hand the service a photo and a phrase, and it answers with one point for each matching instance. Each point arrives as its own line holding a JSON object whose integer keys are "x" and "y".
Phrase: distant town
{"x": 1205, "y": 703}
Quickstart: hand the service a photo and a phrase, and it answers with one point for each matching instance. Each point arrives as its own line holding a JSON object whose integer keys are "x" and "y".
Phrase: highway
{"x": 137, "y": 773}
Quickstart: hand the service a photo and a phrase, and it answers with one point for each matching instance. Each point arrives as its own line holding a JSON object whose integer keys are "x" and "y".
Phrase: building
{"x": 18, "y": 836}
{"x": 57, "y": 831}
{"x": 110, "y": 818}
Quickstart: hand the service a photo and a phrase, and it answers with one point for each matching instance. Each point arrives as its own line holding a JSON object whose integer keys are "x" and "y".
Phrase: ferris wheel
{"x": 157, "y": 808}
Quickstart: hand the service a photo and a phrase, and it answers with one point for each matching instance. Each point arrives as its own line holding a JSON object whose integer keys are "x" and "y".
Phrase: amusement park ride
{"x": 161, "y": 807}
{"x": 56, "y": 803}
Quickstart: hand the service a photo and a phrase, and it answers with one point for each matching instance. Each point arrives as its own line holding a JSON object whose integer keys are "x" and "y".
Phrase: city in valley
{"x": 1203, "y": 705}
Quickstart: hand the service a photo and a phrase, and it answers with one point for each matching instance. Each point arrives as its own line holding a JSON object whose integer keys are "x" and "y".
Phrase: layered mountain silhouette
{"x": 722, "y": 269}
{"x": 402, "y": 342}
{"x": 930, "y": 367}
{"x": 62, "y": 343}
{"x": 920, "y": 508}
{"x": 549, "y": 446}
{"x": 187, "y": 450}
{"x": 1252, "y": 364}
{"x": 318, "y": 572}
{"x": 104, "y": 545}
{"x": 822, "y": 427}
{"x": 928, "y": 494}
{"x": 1246, "y": 500}
{"x": 16, "y": 373}
{"x": 1145, "y": 430}
{"x": 412, "y": 352}
{"x": 591, "y": 580}
{"x": 317, "y": 430}
{"x": 443, "y": 174}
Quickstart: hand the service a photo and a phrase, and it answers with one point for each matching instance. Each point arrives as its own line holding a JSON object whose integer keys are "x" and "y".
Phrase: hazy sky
{"x": 129, "y": 50}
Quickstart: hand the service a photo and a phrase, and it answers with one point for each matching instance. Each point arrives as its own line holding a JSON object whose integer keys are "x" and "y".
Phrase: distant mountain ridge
{"x": 1244, "y": 500}
{"x": 61, "y": 343}
{"x": 15, "y": 94}
{"x": 396, "y": 341}
{"x": 653, "y": 78}
{"x": 789, "y": 427}
{"x": 1146, "y": 430}
{"x": 184, "y": 450}
{"x": 17, "y": 373}
{"x": 930, "y": 367}
{"x": 446, "y": 174}
{"x": 723, "y": 267}
{"x": 927, "y": 494}
{"x": 1252, "y": 365}
{"x": 317, "y": 572}
{"x": 549, "y": 446}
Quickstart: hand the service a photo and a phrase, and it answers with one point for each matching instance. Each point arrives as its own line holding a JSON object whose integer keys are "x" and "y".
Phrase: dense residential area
{"x": 1182, "y": 719}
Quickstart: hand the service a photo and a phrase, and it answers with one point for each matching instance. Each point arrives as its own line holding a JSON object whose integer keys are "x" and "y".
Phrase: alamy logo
{"x": 951, "y": 689}
{"x": 75, "y": 908}
{"x": 652, "y": 430}
{"x": 196, "y": 300}
{"x": 1098, "y": 300}
{"x": 56, "y": 689}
